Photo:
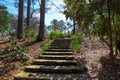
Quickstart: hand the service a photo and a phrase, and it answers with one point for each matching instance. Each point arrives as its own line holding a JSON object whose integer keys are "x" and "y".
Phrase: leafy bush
{"x": 57, "y": 34}
{"x": 54, "y": 34}
{"x": 75, "y": 44}
{"x": 68, "y": 35}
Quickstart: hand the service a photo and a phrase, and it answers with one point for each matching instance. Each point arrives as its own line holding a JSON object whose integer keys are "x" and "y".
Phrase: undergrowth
{"x": 28, "y": 34}
{"x": 75, "y": 44}
{"x": 45, "y": 47}
{"x": 14, "y": 52}
{"x": 57, "y": 34}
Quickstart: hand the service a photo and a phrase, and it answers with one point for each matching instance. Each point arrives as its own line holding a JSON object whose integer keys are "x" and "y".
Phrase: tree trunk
{"x": 110, "y": 32}
{"x": 20, "y": 19}
{"x": 42, "y": 19}
{"x": 74, "y": 26}
{"x": 28, "y": 13}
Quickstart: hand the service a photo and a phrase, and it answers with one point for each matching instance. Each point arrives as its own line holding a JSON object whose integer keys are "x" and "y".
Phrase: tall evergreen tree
{"x": 20, "y": 19}
{"x": 42, "y": 19}
{"x": 28, "y": 13}
{"x": 4, "y": 20}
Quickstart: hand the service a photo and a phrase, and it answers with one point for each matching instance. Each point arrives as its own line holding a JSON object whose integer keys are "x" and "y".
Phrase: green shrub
{"x": 54, "y": 34}
{"x": 68, "y": 35}
{"x": 75, "y": 44}
{"x": 57, "y": 34}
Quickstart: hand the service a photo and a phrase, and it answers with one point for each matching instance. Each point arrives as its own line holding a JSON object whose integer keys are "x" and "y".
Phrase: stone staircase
{"x": 54, "y": 64}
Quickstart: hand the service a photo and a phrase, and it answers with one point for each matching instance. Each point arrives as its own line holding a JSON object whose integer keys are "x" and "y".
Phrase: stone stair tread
{"x": 58, "y": 50}
{"x": 63, "y": 39}
{"x": 57, "y": 53}
{"x": 51, "y": 67}
{"x": 60, "y": 44}
{"x": 44, "y": 60}
{"x": 57, "y": 57}
{"x": 28, "y": 76}
{"x": 53, "y": 47}
{"x": 54, "y": 62}
{"x": 39, "y": 76}
{"x": 54, "y": 69}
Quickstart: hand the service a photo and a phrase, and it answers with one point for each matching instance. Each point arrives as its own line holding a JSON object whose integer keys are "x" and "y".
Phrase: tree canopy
{"x": 4, "y": 19}
{"x": 98, "y": 17}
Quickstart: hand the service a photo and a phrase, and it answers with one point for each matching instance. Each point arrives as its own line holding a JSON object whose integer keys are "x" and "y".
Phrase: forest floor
{"x": 9, "y": 69}
{"x": 93, "y": 55}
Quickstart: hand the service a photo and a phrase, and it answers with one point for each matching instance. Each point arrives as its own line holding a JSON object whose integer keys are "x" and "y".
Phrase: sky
{"x": 53, "y": 13}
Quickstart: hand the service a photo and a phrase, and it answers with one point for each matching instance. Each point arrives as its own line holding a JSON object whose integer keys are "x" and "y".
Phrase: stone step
{"x": 58, "y": 50}
{"x": 57, "y": 57}
{"x": 59, "y": 47}
{"x": 54, "y": 62}
{"x": 63, "y": 39}
{"x": 55, "y": 69}
{"x": 60, "y": 44}
{"x": 38, "y": 76}
{"x": 57, "y": 53}
{"x": 28, "y": 76}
